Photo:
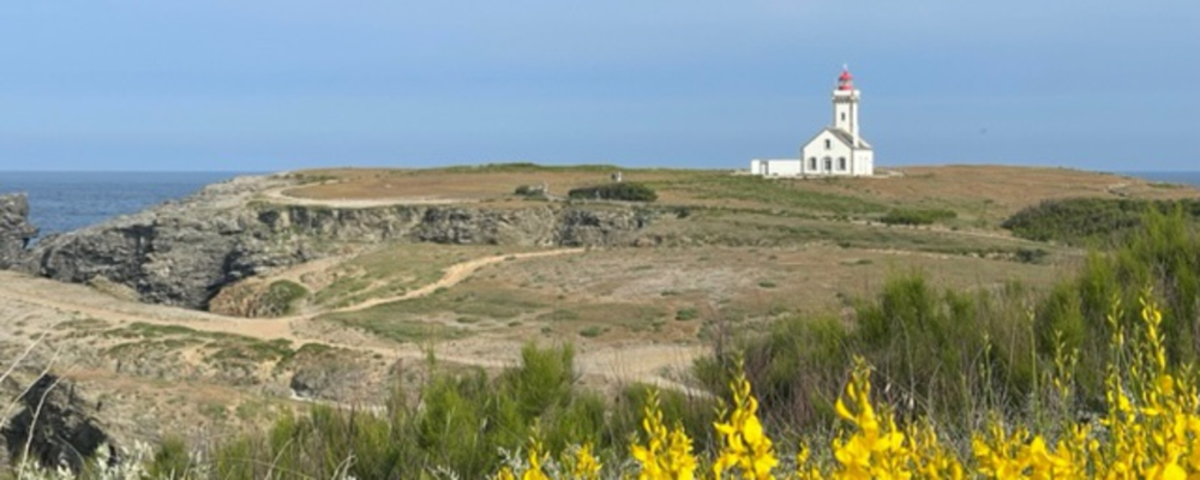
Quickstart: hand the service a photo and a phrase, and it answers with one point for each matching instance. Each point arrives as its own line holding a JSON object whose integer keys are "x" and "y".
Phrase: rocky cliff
{"x": 182, "y": 253}
{"x": 15, "y": 230}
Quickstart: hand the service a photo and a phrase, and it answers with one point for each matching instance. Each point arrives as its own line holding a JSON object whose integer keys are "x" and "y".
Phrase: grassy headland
{"x": 786, "y": 281}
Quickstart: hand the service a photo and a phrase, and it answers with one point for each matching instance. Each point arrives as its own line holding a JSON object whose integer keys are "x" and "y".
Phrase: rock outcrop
{"x": 178, "y": 253}
{"x": 56, "y": 427}
{"x": 15, "y": 229}
{"x": 182, "y": 253}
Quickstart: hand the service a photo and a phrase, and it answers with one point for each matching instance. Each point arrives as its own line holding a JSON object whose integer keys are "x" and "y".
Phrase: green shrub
{"x": 1083, "y": 221}
{"x": 282, "y": 295}
{"x": 685, "y": 314}
{"x": 905, "y": 216}
{"x": 591, "y": 332}
{"x": 461, "y": 424}
{"x": 532, "y": 191}
{"x": 955, "y": 356}
{"x": 625, "y": 191}
{"x": 1031, "y": 255}
{"x": 171, "y": 460}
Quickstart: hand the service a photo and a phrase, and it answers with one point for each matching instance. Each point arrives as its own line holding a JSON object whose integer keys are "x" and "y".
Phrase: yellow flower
{"x": 667, "y": 454}
{"x": 745, "y": 446}
{"x": 536, "y": 459}
{"x": 583, "y": 465}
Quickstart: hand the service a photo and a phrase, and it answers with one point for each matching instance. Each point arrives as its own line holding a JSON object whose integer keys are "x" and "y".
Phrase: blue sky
{"x": 271, "y": 85}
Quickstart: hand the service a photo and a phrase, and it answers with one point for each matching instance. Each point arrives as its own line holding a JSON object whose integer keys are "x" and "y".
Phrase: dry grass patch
{"x": 392, "y": 270}
{"x": 648, "y": 295}
{"x": 461, "y": 183}
{"x": 981, "y": 195}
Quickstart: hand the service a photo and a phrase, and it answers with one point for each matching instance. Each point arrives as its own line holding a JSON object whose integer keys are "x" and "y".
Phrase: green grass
{"x": 771, "y": 193}
{"x": 407, "y": 321}
{"x": 406, "y": 332}
{"x": 916, "y": 216}
{"x": 518, "y": 167}
{"x": 393, "y": 270}
{"x": 686, "y": 314}
{"x": 592, "y": 331}
{"x": 219, "y": 347}
{"x": 251, "y": 350}
{"x": 1094, "y": 221}
{"x": 281, "y": 297}
{"x": 748, "y": 228}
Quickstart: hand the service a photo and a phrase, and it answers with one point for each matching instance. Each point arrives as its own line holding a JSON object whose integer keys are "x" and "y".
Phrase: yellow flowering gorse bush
{"x": 1151, "y": 430}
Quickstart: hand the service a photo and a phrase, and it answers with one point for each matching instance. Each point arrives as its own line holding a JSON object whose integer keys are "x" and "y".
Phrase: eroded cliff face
{"x": 15, "y": 229}
{"x": 543, "y": 224}
{"x": 182, "y": 253}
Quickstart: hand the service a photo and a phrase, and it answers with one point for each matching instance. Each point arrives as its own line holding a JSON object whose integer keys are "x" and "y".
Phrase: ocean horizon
{"x": 62, "y": 201}
{"x": 1186, "y": 177}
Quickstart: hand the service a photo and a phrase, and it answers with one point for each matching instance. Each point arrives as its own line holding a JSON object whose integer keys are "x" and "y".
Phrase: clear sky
{"x": 273, "y": 84}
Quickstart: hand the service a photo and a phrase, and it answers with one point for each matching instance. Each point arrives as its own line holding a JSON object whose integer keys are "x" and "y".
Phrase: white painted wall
{"x": 845, "y": 110}
{"x": 776, "y": 167}
{"x": 818, "y": 149}
{"x": 864, "y": 162}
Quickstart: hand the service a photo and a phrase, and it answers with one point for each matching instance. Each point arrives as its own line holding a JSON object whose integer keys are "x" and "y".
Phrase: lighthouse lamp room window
{"x": 838, "y": 149}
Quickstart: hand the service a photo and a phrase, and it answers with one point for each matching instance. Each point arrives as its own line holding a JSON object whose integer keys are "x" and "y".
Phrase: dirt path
{"x": 279, "y": 195}
{"x": 22, "y": 288}
{"x": 642, "y": 363}
{"x": 454, "y": 275}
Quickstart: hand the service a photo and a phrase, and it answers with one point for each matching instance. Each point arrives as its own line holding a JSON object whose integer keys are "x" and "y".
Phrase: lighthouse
{"x": 836, "y": 150}
{"x": 845, "y": 105}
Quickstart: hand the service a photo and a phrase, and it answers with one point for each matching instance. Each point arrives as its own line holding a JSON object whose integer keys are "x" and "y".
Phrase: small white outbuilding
{"x": 835, "y": 150}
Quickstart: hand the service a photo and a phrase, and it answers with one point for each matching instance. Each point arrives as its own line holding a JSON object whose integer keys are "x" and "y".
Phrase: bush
{"x": 532, "y": 191}
{"x": 685, "y": 314}
{"x": 1098, "y": 221}
{"x": 1148, "y": 428}
{"x": 951, "y": 356}
{"x": 904, "y": 216}
{"x": 625, "y": 191}
{"x": 461, "y": 424}
{"x": 281, "y": 295}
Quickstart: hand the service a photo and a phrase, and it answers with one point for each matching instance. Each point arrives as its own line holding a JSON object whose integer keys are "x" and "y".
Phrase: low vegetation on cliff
{"x": 1087, "y": 377}
{"x": 623, "y": 191}
{"x": 857, "y": 326}
{"x": 1093, "y": 221}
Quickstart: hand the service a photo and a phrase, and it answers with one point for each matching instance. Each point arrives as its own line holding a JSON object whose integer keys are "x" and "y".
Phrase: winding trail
{"x": 259, "y": 328}
{"x": 641, "y": 363}
{"x": 280, "y": 195}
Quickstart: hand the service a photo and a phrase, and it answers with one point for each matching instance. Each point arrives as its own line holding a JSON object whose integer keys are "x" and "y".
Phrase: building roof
{"x": 842, "y": 136}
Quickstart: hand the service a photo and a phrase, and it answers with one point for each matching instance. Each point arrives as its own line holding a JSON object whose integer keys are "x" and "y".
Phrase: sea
{"x": 64, "y": 201}
{"x": 1187, "y": 178}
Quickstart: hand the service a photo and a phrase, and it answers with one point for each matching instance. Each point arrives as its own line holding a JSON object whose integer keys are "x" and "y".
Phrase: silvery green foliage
{"x": 131, "y": 467}
{"x": 443, "y": 473}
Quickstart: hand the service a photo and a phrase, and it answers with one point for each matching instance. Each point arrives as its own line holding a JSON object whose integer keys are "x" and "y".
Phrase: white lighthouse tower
{"x": 838, "y": 149}
{"x": 845, "y": 105}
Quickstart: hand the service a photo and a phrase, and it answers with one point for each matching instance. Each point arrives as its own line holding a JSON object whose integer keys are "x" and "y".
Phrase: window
{"x": 828, "y": 164}
{"x": 842, "y": 163}
{"x": 812, "y": 164}
{"x": 843, "y": 116}
{"x": 828, "y": 144}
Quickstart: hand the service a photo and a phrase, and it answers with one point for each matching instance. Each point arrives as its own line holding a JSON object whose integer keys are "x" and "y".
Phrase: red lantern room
{"x": 846, "y": 81}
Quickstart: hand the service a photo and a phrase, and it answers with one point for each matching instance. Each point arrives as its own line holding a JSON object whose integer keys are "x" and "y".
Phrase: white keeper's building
{"x": 836, "y": 150}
